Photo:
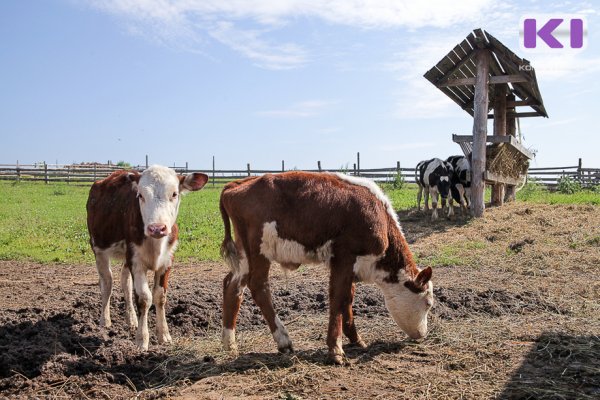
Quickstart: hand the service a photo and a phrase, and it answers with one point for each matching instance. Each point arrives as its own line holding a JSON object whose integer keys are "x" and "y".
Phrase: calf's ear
{"x": 134, "y": 178}
{"x": 192, "y": 182}
{"x": 424, "y": 276}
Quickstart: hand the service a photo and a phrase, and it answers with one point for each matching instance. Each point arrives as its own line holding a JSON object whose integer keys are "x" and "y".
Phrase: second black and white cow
{"x": 433, "y": 176}
{"x": 460, "y": 183}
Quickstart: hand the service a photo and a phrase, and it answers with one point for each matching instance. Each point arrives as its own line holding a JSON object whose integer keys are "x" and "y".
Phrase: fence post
{"x": 18, "y": 172}
{"x": 358, "y": 163}
{"x": 45, "y": 172}
{"x": 95, "y": 166}
{"x": 186, "y": 166}
{"x": 579, "y": 172}
{"x": 146, "y": 161}
{"x": 319, "y": 165}
{"x": 282, "y": 166}
{"x": 213, "y": 172}
{"x": 68, "y": 174}
{"x": 248, "y": 169}
{"x": 354, "y": 169}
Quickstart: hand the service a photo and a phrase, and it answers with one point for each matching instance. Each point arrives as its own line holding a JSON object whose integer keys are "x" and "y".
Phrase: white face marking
{"x": 291, "y": 252}
{"x": 158, "y": 193}
{"x": 376, "y": 190}
{"x": 281, "y": 335}
{"x": 444, "y": 179}
{"x": 409, "y": 310}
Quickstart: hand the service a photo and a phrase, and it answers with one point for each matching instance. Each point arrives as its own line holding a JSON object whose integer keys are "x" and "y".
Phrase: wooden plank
{"x": 496, "y": 178}
{"x": 522, "y": 103}
{"x": 493, "y": 80}
{"x": 520, "y": 114}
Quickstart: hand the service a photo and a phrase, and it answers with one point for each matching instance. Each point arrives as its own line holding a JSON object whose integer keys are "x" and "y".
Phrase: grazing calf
{"x": 460, "y": 184}
{"x": 131, "y": 216}
{"x": 343, "y": 222}
{"x": 433, "y": 176}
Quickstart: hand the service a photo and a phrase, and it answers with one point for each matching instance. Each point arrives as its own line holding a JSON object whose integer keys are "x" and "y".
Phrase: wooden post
{"x": 248, "y": 169}
{"x": 480, "y": 132}
{"x": 511, "y": 129}
{"x": 358, "y": 164}
{"x": 282, "y": 166}
{"x": 213, "y": 171}
{"x": 146, "y": 161}
{"x": 186, "y": 166}
{"x": 579, "y": 173}
{"x": 499, "y": 130}
{"x": 96, "y": 166}
{"x": 319, "y": 165}
{"x": 45, "y": 172}
{"x": 68, "y": 175}
{"x": 18, "y": 172}
{"x": 354, "y": 169}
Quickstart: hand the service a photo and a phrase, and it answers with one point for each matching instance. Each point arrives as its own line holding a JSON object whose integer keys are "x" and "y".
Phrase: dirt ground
{"x": 517, "y": 315}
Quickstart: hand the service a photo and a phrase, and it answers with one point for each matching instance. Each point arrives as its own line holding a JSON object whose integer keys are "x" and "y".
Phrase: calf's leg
{"x": 127, "y": 286}
{"x": 340, "y": 301}
{"x": 144, "y": 299}
{"x": 434, "y": 201}
{"x": 106, "y": 284}
{"x": 261, "y": 293}
{"x": 348, "y": 322}
{"x": 161, "y": 279}
{"x": 233, "y": 294}
{"x": 419, "y": 194}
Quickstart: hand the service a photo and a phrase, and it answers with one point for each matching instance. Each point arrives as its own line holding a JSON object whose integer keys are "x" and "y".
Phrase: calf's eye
{"x": 174, "y": 194}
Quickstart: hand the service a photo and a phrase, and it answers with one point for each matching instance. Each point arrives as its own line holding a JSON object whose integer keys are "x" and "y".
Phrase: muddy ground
{"x": 517, "y": 315}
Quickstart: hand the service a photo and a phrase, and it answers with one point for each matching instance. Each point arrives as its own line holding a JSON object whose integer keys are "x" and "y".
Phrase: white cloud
{"x": 192, "y": 21}
{"x": 250, "y": 44}
{"x": 302, "y": 109}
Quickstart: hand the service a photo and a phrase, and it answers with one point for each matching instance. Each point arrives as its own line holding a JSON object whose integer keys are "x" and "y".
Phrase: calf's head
{"x": 445, "y": 179}
{"x": 158, "y": 191}
{"x": 409, "y": 303}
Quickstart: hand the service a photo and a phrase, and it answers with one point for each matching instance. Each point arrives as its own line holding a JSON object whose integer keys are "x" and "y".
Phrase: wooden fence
{"x": 89, "y": 173}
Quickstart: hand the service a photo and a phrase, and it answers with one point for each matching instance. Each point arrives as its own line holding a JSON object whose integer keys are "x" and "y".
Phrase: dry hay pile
{"x": 505, "y": 160}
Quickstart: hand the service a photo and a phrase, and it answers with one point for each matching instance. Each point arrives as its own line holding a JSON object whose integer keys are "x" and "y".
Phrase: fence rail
{"x": 89, "y": 173}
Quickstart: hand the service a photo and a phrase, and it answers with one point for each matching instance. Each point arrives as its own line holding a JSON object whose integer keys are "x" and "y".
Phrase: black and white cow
{"x": 460, "y": 183}
{"x": 433, "y": 176}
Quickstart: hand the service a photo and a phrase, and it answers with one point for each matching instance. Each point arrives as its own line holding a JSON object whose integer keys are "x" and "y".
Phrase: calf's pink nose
{"x": 157, "y": 230}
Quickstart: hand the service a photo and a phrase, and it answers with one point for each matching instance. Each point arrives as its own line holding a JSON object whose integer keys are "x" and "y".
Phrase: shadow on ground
{"x": 418, "y": 224}
{"x": 558, "y": 366}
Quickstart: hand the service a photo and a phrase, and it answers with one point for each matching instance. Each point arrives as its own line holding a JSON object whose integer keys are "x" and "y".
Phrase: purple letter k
{"x": 545, "y": 33}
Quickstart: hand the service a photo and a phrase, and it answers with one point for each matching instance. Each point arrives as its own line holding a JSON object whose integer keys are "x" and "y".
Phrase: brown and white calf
{"x": 131, "y": 216}
{"x": 343, "y": 222}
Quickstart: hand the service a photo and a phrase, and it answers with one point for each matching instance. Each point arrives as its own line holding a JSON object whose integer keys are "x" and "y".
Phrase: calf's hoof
{"x": 289, "y": 349}
{"x": 337, "y": 359}
{"x": 141, "y": 345}
{"x": 359, "y": 343}
{"x": 165, "y": 338}
{"x": 105, "y": 323}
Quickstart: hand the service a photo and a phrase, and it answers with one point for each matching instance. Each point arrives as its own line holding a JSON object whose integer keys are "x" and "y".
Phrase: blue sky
{"x": 263, "y": 81}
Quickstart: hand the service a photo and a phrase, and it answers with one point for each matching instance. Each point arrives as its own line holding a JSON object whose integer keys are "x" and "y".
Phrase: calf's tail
{"x": 228, "y": 249}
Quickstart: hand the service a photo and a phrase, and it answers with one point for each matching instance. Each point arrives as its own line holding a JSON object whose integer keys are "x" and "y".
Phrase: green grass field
{"x": 47, "y": 223}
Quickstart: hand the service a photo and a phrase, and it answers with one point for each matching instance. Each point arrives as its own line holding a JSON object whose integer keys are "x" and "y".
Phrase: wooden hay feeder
{"x": 480, "y": 74}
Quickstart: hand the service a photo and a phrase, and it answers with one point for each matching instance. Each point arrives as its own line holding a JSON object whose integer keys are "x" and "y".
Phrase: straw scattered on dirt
{"x": 517, "y": 316}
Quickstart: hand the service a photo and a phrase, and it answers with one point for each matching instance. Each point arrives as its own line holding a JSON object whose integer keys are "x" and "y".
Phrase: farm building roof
{"x": 455, "y": 75}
